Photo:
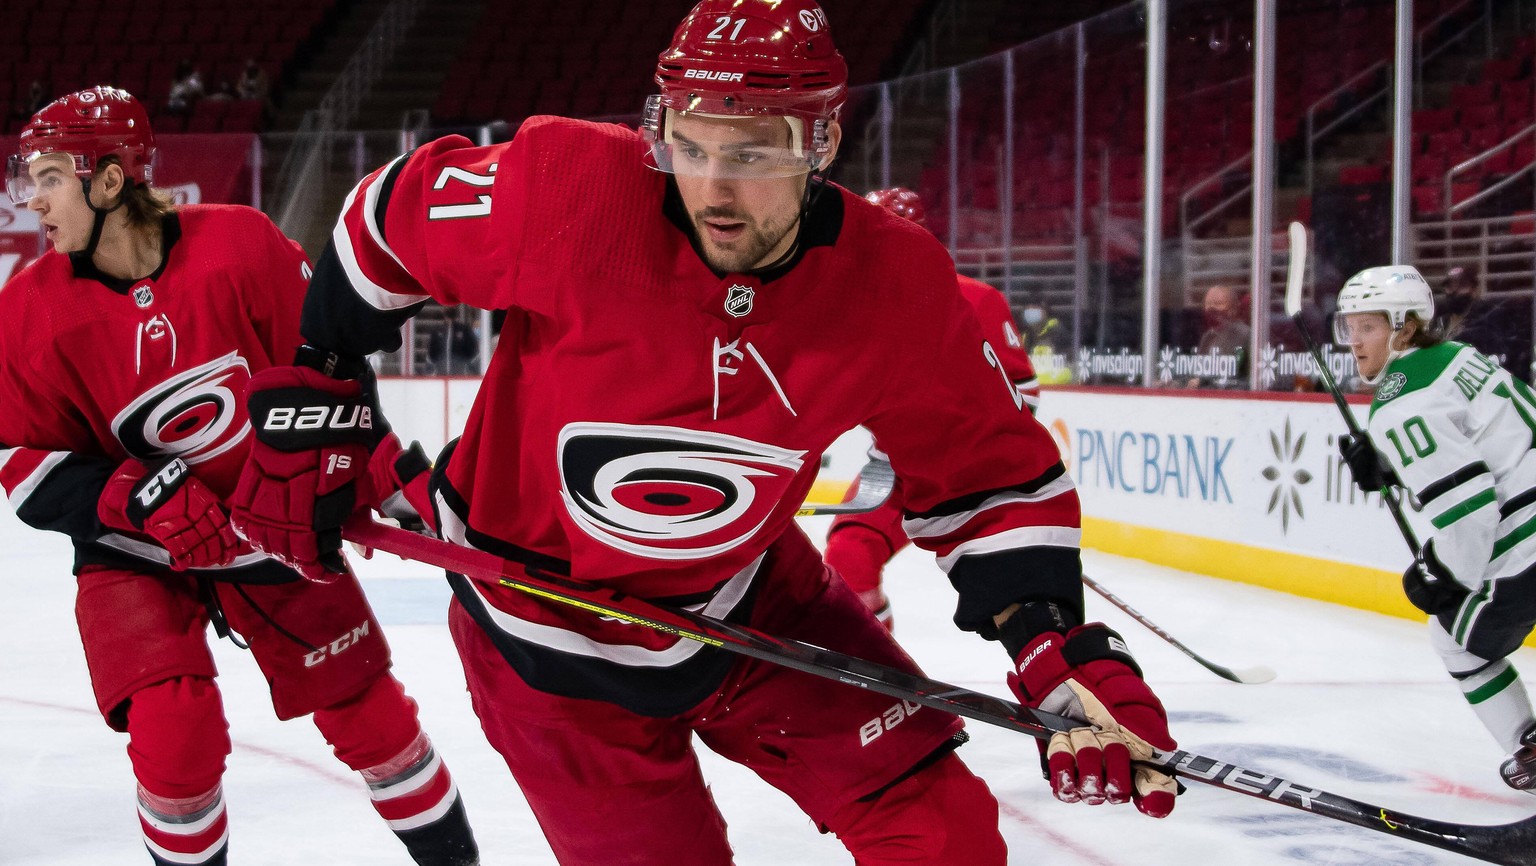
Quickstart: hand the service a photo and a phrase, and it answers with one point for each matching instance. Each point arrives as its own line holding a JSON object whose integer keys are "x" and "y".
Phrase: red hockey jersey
{"x": 96, "y": 370}
{"x": 653, "y": 425}
{"x": 996, "y": 319}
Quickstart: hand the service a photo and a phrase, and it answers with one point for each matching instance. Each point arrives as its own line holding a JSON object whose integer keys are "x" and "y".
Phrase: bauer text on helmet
{"x": 88, "y": 125}
{"x": 750, "y": 58}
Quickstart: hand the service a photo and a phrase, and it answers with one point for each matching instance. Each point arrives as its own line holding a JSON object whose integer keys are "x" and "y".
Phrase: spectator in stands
{"x": 1047, "y": 340}
{"x": 186, "y": 89}
{"x": 1041, "y": 328}
{"x": 1496, "y": 326}
{"x": 1227, "y": 332}
{"x": 253, "y": 82}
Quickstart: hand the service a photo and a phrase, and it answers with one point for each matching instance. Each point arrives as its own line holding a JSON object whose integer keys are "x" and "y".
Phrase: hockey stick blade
{"x": 1296, "y": 270}
{"x": 1247, "y": 676}
{"x": 1508, "y": 844}
{"x": 875, "y": 483}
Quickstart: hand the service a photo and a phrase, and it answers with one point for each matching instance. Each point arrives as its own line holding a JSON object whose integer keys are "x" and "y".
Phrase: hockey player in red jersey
{"x": 859, "y": 545}
{"x": 123, "y": 355}
{"x": 694, "y": 315}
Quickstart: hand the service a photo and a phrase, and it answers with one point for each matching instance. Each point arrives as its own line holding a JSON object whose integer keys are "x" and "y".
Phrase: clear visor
{"x": 1363, "y": 328}
{"x": 726, "y": 146}
{"x": 29, "y": 175}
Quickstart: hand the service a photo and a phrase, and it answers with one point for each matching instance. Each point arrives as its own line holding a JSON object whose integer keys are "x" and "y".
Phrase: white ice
{"x": 1361, "y": 708}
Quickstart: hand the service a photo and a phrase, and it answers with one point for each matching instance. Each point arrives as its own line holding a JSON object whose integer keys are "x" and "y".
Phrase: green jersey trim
{"x": 1518, "y": 534}
{"x": 1418, "y": 369}
{"x": 1455, "y": 513}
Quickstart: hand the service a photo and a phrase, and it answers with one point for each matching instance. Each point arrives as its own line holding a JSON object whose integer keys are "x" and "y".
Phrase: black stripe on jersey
{"x": 989, "y": 582}
{"x": 337, "y": 319}
{"x": 386, "y": 190}
{"x": 1451, "y": 482}
{"x": 65, "y": 499}
{"x": 973, "y": 501}
{"x": 263, "y": 572}
{"x": 1517, "y": 503}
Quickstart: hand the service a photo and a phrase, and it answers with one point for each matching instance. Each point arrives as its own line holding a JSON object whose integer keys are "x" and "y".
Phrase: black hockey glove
{"x": 1435, "y": 594}
{"x": 1371, "y": 472}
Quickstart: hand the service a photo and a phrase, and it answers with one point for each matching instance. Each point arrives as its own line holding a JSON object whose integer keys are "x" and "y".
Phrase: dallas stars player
{"x": 1460, "y": 434}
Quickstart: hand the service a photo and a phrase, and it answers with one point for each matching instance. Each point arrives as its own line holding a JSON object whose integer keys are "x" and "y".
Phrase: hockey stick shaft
{"x": 1510, "y": 844}
{"x": 876, "y": 481}
{"x": 1294, "y": 276}
{"x": 1247, "y": 676}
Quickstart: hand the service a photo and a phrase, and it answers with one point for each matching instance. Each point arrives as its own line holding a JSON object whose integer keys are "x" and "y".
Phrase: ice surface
{"x": 1361, "y": 708}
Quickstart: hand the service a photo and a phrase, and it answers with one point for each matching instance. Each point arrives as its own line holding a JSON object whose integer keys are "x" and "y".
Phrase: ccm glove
{"x": 1365, "y": 464}
{"x": 1430, "y": 586}
{"x": 1088, "y": 675}
{"x": 166, "y": 503}
{"x": 322, "y": 452}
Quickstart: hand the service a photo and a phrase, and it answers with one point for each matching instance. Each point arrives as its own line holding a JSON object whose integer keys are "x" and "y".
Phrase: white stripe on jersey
{"x": 25, "y": 489}
{"x": 1024, "y": 536}
{"x": 561, "y": 640}
{"x": 937, "y": 527}
{"x": 374, "y": 294}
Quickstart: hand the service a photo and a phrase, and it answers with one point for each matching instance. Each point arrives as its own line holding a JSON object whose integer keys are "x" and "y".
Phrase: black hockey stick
{"x": 1248, "y": 676}
{"x": 1294, "y": 276}
{"x": 1511, "y": 844}
{"x": 874, "y": 485}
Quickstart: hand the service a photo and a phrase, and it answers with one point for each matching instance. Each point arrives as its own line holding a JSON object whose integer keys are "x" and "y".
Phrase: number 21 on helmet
{"x": 750, "y": 58}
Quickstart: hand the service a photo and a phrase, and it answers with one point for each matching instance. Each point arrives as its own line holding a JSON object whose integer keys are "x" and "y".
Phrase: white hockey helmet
{"x": 1394, "y": 290}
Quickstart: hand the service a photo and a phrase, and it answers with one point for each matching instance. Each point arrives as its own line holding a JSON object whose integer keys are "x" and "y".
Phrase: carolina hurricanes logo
{"x": 670, "y": 492}
{"x": 196, "y": 415}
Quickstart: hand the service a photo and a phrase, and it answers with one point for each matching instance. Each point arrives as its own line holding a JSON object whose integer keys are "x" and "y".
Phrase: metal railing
{"x": 1452, "y": 208}
{"x": 1313, "y": 133}
{"x": 1500, "y": 249}
{"x": 299, "y": 183}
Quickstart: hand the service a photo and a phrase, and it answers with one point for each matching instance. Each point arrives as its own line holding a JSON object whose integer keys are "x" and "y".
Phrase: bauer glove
{"x": 323, "y": 451}
{"x": 1088, "y": 675}
{"x": 168, "y": 504}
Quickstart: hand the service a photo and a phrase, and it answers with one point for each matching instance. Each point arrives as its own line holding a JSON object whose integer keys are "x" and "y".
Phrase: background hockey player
{"x": 123, "y": 354}
{"x": 859, "y": 545}
{"x": 1458, "y": 432}
{"x": 680, "y": 347}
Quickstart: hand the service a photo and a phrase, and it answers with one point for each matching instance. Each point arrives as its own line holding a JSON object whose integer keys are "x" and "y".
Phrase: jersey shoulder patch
{"x": 1415, "y": 371}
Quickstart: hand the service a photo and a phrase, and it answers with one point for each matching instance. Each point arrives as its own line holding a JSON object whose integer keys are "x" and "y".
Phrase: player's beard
{"x": 746, "y": 251}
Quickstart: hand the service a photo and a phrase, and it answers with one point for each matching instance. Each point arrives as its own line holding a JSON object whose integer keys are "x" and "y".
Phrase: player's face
{"x": 1370, "y": 340}
{"x": 60, "y": 202}
{"x": 742, "y": 222}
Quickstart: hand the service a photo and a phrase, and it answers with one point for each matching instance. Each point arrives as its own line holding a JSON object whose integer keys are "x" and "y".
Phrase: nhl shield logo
{"x": 142, "y": 295}
{"x": 738, "y": 300}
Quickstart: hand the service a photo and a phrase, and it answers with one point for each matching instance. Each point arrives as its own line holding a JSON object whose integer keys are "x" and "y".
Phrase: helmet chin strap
{"x": 100, "y": 220}
{"x": 808, "y": 199}
{"x": 1392, "y": 355}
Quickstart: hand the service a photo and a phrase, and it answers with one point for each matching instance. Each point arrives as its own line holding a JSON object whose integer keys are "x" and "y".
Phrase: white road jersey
{"x": 1459, "y": 431}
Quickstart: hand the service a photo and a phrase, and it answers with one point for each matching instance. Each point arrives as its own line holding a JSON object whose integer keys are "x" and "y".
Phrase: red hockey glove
{"x": 166, "y": 503}
{"x": 323, "y": 450}
{"x": 1088, "y": 675}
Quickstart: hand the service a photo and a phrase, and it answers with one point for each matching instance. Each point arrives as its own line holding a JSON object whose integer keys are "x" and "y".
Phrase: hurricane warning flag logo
{"x": 195, "y": 415}
{"x": 670, "y": 492}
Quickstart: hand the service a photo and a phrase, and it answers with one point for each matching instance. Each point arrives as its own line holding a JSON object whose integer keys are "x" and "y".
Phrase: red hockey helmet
{"x": 89, "y": 125}
{"x": 745, "y": 58}
{"x": 900, "y": 201}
